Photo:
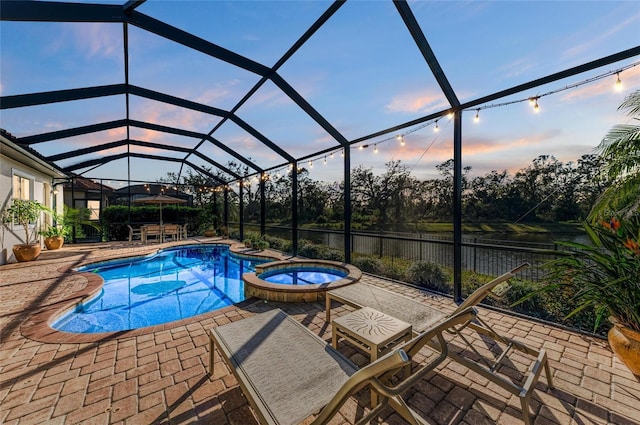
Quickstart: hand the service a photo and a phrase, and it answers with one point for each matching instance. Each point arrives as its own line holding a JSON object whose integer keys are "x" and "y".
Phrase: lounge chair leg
{"x": 547, "y": 370}
{"x": 327, "y": 308}
{"x": 526, "y": 415}
{"x": 210, "y": 356}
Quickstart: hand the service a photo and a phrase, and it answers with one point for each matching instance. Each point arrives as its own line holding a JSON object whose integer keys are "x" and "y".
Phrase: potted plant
{"x": 25, "y": 212}
{"x": 54, "y": 236}
{"x": 210, "y": 232}
{"x": 605, "y": 276}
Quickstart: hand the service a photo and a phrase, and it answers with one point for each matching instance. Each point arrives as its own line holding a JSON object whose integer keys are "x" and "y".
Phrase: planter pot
{"x": 209, "y": 233}
{"x": 54, "y": 242}
{"x": 625, "y": 343}
{"x": 26, "y": 252}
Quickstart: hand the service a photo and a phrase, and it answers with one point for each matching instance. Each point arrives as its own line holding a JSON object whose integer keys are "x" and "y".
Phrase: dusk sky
{"x": 361, "y": 71}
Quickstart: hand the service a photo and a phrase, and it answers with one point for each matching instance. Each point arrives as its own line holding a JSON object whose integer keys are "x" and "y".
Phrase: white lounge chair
{"x": 421, "y": 316}
{"x": 288, "y": 373}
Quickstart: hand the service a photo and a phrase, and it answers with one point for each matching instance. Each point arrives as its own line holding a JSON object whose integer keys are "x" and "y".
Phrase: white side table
{"x": 371, "y": 331}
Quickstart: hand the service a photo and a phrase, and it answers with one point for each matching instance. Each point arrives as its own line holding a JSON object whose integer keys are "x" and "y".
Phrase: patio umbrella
{"x": 160, "y": 200}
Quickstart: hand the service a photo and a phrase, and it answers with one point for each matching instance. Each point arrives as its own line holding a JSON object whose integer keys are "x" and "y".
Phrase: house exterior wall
{"x": 41, "y": 191}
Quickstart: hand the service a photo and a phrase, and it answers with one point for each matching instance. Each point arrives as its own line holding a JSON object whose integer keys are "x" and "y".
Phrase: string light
{"x": 533, "y": 100}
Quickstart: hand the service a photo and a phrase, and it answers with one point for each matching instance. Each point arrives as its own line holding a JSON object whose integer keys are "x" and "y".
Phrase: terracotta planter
{"x": 209, "y": 233}
{"x": 625, "y": 343}
{"x": 54, "y": 242}
{"x": 26, "y": 252}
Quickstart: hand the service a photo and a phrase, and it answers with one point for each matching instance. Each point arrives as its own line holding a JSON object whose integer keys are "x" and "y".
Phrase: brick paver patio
{"x": 159, "y": 375}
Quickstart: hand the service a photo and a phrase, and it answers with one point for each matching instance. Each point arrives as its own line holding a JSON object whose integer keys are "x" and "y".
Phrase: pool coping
{"x": 38, "y": 326}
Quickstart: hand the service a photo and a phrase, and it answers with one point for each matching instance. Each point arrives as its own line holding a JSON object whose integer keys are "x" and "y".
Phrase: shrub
{"x": 368, "y": 264}
{"x": 261, "y": 245}
{"x": 283, "y": 245}
{"x": 428, "y": 275}
{"x": 393, "y": 271}
{"x": 311, "y": 250}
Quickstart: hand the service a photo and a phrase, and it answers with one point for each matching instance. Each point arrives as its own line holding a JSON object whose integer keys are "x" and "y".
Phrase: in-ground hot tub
{"x": 298, "y": 280}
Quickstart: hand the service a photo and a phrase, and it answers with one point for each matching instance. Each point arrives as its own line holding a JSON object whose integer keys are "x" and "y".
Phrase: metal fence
{"x": 490, "y": 257}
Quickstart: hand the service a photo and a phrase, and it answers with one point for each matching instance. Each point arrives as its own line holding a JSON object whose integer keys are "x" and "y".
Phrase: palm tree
{"x": 620, "y": 150}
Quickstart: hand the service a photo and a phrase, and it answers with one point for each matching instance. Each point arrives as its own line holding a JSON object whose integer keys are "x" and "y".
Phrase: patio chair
{"x": 171, "y": 230}
{"x": 421, "y": 316}
{"x": 154, "y": 230}
{"x": 134, "y": 233}
{"x": 288, "y": 373}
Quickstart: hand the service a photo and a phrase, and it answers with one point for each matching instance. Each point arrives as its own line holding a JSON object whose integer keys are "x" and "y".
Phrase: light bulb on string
{"x": 375, "y": 148}
{"x": 436, "y": 128}
{"x": 310, "y": 164}
{"x": 450, "y": 115}
{"x": 324, "y": 161}
{"x": 536, "y": 107}
{"x": 477, "y": 117}
{"x": 342, "y": 153}
{"x": 361, "y": 147}
{"x": 618, "y": 86}
{"x": 331, "y": 156}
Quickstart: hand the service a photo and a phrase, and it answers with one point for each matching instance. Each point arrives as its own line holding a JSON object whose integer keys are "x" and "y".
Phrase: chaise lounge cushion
{"x": 264, "y": 348}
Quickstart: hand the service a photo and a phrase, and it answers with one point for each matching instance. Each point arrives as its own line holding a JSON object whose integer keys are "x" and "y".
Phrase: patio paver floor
{"x": 160, "y": 375}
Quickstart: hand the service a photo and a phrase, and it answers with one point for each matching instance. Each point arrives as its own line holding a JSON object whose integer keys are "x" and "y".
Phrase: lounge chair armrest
{"x": 368, "y": 375}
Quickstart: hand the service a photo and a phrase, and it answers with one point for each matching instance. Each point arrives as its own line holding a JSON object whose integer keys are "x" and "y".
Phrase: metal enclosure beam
{"x": 241, "y": 208}
{"x": 44, "y": 11}
{"x": 570, "y": 72}
{"x": 263, "y": 206}
{"x": 43, "y": 98}
{"x": 294, "y": 208}
{"x": 347, "y": 205}
{"x": 189, "y": 40}
{"x": 457, "y": 206}
{"x": 422, "y": 43}
{"x": 71, "y": 132}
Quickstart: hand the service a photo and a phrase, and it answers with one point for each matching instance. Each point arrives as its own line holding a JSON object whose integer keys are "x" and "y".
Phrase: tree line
{"x": 548, "y": 190}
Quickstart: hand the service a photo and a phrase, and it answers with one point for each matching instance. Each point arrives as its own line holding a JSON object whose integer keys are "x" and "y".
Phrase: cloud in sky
{"x": 417, "y": 102}
{"x": 610, "y": 32}
{"x": 91, "y": 40}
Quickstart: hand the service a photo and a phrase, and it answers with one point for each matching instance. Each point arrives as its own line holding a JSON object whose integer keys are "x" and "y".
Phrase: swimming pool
{"x": 173, "y": 284}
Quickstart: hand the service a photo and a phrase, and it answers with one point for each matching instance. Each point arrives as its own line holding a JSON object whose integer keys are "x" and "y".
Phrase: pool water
{"x": 173, "y": 284}
{"x": 302, "y": 276}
